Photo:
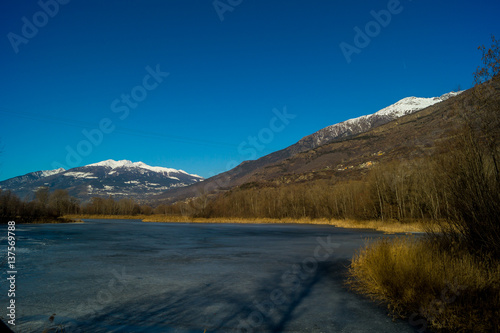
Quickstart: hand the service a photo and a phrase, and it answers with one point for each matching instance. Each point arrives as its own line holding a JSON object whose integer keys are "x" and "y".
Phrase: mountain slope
{"x": 117, "y": 178}
{"x": 257, "y": 170}
{"x": 405, "y": 138}
{"x": 28, "y": 178}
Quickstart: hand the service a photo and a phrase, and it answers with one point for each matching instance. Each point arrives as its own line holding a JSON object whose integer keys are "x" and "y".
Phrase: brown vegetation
{"x": 45, "y": 208}
{"x": 450, "y": 281}
{"x": 448, "y": 290}
{"x": 404, "y": 191}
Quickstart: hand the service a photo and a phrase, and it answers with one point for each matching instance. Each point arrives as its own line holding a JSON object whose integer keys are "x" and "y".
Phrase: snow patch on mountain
{"x": 46, "y": 173}
{"x": 85, "y": 175}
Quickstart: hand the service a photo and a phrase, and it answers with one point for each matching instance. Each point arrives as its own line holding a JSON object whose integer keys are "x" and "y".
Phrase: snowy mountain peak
{"x": 113, "y": 164}
{"x": 412, "y": 104}
{"x": 129, "y": 164}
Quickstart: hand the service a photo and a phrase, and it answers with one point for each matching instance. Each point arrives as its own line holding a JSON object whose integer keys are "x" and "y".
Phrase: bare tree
{"x": 474, "y": 171}
{"x": 42, "y": 196}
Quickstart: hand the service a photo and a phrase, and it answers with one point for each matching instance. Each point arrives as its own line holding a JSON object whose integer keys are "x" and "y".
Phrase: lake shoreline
{"x": 390, "y": 227}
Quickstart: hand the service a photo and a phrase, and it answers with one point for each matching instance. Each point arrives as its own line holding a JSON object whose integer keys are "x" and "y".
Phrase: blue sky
{"x": 100, "y": 67}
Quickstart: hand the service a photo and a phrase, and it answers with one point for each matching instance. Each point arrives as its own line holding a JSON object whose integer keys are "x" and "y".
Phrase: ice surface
{"x": 130, "y": 276}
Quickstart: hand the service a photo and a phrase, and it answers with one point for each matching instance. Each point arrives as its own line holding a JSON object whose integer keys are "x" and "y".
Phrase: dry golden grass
{"x": 387, "y": 227}
{"x": 166, "y": 218}
{"x": 452, "y": 290}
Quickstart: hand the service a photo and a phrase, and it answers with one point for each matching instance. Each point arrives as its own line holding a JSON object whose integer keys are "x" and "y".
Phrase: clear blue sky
{"x": 74, "y": 72}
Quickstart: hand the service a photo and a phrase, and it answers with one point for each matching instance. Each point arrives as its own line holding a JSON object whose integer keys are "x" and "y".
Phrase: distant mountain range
{"x": 353, "y": 142}
{"x": 116, "y": 178}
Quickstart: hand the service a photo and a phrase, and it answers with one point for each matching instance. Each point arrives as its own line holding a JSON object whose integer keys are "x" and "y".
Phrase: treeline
{"x": 49, "y": 206}
{"x": 399, "y": 190}
{"x": 130, "y": 207}
{"x": 111, "y": 206}
{"x": 45, "y": 207}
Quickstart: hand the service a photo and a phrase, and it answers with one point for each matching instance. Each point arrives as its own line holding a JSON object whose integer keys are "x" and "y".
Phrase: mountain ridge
{"x": 125, "y": 178}
{"x": 120, "y": 179}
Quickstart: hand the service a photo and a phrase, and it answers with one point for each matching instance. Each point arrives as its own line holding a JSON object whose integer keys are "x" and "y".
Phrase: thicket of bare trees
{"x": 400, "y": 190}
{"x": 474, "y": 182}
{"x": 110, "y": 206}
{"x": 45, "y": 207}
{"x": 49, "y": 206}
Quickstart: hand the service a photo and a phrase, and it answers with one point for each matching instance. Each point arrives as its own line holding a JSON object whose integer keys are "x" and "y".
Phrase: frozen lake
{"x": 130, "y": 276}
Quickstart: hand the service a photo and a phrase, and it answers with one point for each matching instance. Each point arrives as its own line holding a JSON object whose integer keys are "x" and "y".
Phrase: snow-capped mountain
{"x": 116, "y": 178}
{"x": 361, "y": 124}
{"x": 140, "y": 165}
